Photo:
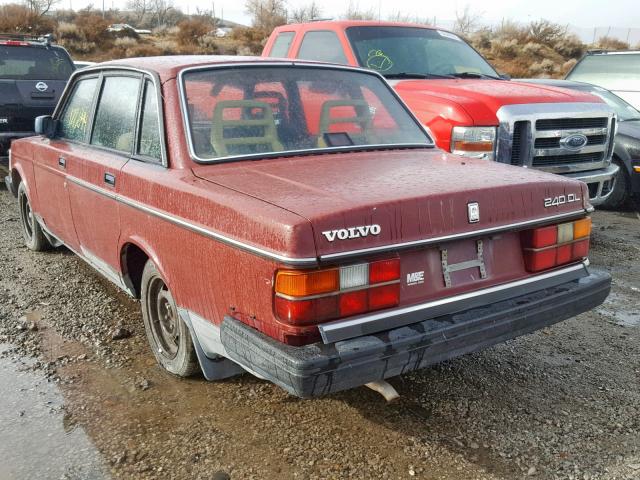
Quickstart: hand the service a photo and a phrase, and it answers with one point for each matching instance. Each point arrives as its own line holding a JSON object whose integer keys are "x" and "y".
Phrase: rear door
{"x": 54, "y": 157}
{"x": 97, "y": 182}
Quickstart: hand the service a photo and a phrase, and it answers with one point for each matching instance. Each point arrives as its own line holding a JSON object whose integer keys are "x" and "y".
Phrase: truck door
{"x": 96, "y": 184}
{"x": 52, "y": 161}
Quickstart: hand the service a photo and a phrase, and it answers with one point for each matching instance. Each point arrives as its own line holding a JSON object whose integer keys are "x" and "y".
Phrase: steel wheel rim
{"x": 27, "y": 216}
{"x": 163, "y": 319}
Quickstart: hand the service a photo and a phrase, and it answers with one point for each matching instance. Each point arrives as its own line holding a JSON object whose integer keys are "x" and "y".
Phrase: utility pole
{"x": 102, "y": 8}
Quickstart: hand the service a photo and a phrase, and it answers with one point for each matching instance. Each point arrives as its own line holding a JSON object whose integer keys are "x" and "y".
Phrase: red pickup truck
{"x": 296, "y": 221}
{"x": 468, "y": 108}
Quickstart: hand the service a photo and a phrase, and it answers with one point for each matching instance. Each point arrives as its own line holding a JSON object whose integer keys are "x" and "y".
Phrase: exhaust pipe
{"x": 385, "y": 389}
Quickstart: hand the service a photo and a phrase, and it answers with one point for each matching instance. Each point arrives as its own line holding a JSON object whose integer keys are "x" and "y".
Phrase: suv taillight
{"x": 309, "y": 297}
{"x": 555, "y": 245}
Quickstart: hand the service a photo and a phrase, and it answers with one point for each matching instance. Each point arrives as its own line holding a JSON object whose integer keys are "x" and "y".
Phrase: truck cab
{"x": 469, "y": 109}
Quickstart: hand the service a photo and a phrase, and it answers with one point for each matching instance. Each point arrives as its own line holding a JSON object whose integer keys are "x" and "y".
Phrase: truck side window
{"x": 323, "y": 46}
{"x": 116, "y": 113}
{"x": 149, "y": 143}
{"x": 75, "y": 118}
{"x": 281, "y": 45}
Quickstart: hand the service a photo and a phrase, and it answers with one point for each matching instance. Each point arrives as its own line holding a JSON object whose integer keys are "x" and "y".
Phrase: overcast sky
{"x": 580, "y": 13}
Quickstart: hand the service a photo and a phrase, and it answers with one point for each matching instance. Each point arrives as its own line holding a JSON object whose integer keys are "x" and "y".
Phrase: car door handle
{"x": 62, "y": 162}
{"x": 110, "y": 179}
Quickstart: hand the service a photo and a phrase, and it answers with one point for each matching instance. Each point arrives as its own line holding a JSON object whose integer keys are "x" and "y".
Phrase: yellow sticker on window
{"x": 378, "y": 60}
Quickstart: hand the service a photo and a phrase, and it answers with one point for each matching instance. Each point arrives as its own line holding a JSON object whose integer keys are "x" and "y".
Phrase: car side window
{"x": 323, "y": 46}
{"x": 75, "y": 117}
{"x": 116, "y": 113}
{"x": 281, "y": 45}
{"x": 149, "y": 143}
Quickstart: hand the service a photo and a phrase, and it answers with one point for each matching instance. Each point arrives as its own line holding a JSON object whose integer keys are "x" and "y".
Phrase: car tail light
{"x": 309, "y": 297}
{"x": 548, "y": 247}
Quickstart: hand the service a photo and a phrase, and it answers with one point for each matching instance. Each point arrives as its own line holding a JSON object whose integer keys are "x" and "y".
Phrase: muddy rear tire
{"x": 168, "y": 335}
{"x": 32, "y": 232}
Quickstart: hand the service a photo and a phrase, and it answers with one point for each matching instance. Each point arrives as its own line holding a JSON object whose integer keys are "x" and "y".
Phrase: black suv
{"x": 33, "y": 74}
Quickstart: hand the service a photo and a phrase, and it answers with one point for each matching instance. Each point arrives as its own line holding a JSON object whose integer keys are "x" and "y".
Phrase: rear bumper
{"x": 600, "y": 182}
{"x": 320, "y": 368}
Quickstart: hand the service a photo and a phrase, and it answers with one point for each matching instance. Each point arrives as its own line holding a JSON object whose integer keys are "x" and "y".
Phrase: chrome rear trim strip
{"x": 378, "y": 322}
{"x": 456, "y": 236}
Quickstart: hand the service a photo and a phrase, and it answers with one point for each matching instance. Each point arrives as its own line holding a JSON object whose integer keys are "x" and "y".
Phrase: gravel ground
{"x": 561, "y": 403}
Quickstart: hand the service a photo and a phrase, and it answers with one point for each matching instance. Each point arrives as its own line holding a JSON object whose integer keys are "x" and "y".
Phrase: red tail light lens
{"x": 548, "y": 247}
{"x": 308, "y": 297}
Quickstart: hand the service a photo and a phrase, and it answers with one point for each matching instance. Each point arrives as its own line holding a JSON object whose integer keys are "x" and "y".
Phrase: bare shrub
{"x": 19, "y": 19}
{"x": 568, "y": 65}
{"x": 544, "y": 68}
{"x": 533, "y": 49}
{"x": 609, "y": 43}
{"x": 546, "y": 32}
{"x": 570, "y": 46}
{"x": 125, "y": 42}
{"x": 505, "y": 48}
{"x": 190, "y": 31}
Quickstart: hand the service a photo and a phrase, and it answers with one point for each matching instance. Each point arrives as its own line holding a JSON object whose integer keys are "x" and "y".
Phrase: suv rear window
{"x": 34, "y": 63}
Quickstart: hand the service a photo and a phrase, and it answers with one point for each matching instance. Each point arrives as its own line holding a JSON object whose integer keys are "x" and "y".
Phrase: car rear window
{"x": 253, "y": 111}
{"x": 614, "y": 71}
{"x": 34, "y": 63}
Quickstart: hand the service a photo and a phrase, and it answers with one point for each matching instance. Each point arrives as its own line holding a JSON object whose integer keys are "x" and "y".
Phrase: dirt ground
{"x": 561, "y": 403}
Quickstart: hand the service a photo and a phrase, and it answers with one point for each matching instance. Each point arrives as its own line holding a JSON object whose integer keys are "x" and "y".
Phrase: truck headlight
{"x": 475, "y": 142}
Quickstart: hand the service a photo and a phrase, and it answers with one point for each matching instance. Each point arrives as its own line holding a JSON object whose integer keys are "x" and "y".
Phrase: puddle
{"x": 619, "y": 307}
{"x": 37, "y": 438}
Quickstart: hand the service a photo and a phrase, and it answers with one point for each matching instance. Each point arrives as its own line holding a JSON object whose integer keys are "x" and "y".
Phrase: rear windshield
{"x": 34, "y": 63}
{"x": 398, "y": 50}
{"x": 254, "y": 111}
{"x": 616, "y": 71}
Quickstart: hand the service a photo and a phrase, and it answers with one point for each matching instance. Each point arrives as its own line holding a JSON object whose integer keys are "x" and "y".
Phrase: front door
{"x": 51, "y": 162}
{"x": 95, "y": 186}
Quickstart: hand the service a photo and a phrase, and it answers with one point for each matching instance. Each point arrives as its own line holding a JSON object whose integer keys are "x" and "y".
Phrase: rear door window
{"x": 322, "y": 46}
{"x": 116, "y": 113}
{"x": 75, "y": 117}
{"x": 281, "y": 45}
{"x": 34, "y": 63}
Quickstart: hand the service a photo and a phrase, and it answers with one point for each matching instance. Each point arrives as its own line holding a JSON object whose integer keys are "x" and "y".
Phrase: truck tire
{"x": 34, "y": 237}
{"x": 621, "y": 188}
{"x": 167, "y": 334}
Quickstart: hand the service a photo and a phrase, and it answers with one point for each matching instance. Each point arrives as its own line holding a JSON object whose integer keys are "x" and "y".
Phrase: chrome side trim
{"x": 308, "y": 261}
{"x": 455, "y": 236}
{"x": 344, "y": 329}
{"x": 288, "y": 63}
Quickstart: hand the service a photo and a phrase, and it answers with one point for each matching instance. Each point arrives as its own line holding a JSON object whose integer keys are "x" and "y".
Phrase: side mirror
{"x": 505, "y": 76}
{"x": 45, "y": 125}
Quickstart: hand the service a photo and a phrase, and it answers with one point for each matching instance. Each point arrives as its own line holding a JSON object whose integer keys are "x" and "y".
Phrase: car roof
{"x": 317, "y": 25}
{"x": 612, "y": 52}
{"x": 168, "y": 67}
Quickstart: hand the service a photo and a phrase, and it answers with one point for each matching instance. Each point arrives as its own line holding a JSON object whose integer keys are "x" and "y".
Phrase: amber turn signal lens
{"x": 473, "y": 146}
{"x": 296, "y": 283}
{"x": 582, "y": 228}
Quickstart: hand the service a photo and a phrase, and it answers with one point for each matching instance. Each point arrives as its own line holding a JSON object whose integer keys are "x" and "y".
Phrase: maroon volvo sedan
{"x": 295, "y": 221}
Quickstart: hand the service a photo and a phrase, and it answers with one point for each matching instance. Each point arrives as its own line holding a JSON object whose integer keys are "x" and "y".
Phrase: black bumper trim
{"x": 319, "y": 369}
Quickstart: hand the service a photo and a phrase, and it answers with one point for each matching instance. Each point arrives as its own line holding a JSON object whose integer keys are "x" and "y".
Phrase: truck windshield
{"x": 257, "y": 111}
{"x": 426, "y": 53}
{"x": 34, "y": 63}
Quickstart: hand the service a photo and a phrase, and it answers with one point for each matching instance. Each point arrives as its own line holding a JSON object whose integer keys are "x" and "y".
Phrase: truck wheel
{"x": 621, "y": 188}
{"x": 32, "y": 232}
{"x": 167, "y": 334}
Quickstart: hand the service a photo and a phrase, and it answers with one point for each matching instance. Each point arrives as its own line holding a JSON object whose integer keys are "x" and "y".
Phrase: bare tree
{"x": 410, "y": 18}
{"x": 140, "y": 8}
{"x": 40, "y": 7}
{"x": 306, "y": 13}
{"x": 466, "y": 22}
{"x": 267, "y": 14}
{"x": 355, "y": 13}
{"x": 160, "y": 10}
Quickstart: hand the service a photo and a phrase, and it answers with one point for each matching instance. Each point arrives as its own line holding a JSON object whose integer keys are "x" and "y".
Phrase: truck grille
{"x": 529, "y": 138}
{"x": 545, "y": 161}
{"x": 571, "y": 123}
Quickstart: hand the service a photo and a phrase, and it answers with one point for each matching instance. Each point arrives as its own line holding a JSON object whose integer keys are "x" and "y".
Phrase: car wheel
{"x": 32, "y": 232}
{"x": 168, "y": 335}
{"x": 621, "y": 188}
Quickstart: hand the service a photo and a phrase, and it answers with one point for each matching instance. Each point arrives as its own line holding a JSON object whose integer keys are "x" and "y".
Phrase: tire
{"x": 621, "y": 188}
{"x": 32, "y": 232}
{"x": 168, "y": 335}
